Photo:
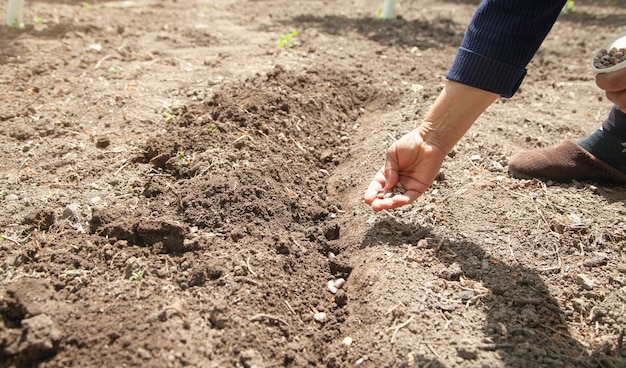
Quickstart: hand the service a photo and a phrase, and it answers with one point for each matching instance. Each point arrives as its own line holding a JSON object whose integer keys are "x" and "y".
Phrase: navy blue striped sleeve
{"x": 500, "y": 41}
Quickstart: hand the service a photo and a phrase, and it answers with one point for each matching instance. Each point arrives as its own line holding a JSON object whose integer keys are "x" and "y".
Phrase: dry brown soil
{"x": 177, "y": 190}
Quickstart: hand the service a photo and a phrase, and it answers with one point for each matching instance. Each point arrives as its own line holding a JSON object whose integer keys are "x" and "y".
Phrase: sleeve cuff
{"x": 485, "y": 73}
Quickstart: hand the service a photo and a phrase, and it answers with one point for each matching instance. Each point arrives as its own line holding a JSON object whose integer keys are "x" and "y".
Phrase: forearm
{"x": 453, "y": 113}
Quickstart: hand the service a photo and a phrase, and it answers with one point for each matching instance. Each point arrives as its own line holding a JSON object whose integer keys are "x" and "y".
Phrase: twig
{"x": 122, "y": 167}
{"x": 432, "y": 350}
{"x": 473, "y": 164}
{"x": 17, "y": 242}
{"x": 392, "y": 137}
{"x": 299, "y": 145}
{"x": 246, "y": 279}
{"x": 270, "y": 317}
{"x": 511, "y": 251}
{"x": 101, "y": 61}
{"x": 494, "y": 347}
{"x": 250, "y": 268}
{"x": 293, "y": 311}
{"x": 397, "y": 328}
{"x": 390, "y": 311}
{"x": 113, "y": 258}
{"x": 436, "y": 248}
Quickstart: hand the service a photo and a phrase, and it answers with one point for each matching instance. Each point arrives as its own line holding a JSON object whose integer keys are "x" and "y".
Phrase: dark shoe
{"x": 562, "y": 162}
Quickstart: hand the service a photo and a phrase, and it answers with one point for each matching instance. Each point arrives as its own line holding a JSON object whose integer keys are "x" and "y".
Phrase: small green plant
{"x": 136, "y": 276}
{"x": 116, "y": 69}
{"x": 38, "y": 21}
{"x": 569, "y": 7}
{"x": 416, "y": 87}
{"x": 87, "y": 6}
{"x": 288, "y": 40}
{"x": 184, "y": 160}
{"x": 213, "y": 128}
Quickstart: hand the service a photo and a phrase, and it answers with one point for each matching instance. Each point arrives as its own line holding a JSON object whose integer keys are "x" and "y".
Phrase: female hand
{"x": 614, "y": 83}
{"x": 413, "y": 164}
{"x": 415, "y": 159}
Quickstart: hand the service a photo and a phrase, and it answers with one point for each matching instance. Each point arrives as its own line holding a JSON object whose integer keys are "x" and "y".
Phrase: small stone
{"x": 467, "y": 353}
{"x": 598, "y": 259}
{"x": 251, "y": 359}
{"x": 320, "y": 317}
{"x": 103, "y": 142}
{"x": 466, "y": 295}
{"x": 341, "y": 298}
{"x": 585, "y": 281}
{"x": 11, "y": 197}
{"x": 331, "y": 287}
{"x": 70, "y": 212}
{"x": 339, "y": 283}
{"x": 347, "y": 341}
{"x": 452, "y": 273}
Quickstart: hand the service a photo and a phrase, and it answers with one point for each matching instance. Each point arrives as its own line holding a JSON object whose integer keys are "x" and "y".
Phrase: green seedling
{"x": 417, "y": 87}
{"x": 288, "y": 40}
{"x": 87, "y": 6}
{"x": 137, "y": 276}
{"x": 184, "y": 160}
{"x": 569, "y": 7}
{"x": 213, "y": 128}
{"x": 38, "y": 21}
{"x": 116, "y": 69}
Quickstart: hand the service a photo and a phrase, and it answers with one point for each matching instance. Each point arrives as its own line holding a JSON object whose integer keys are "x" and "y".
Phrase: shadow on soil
{"x": 525, "y": 323}
{"x": 395, "y": 32}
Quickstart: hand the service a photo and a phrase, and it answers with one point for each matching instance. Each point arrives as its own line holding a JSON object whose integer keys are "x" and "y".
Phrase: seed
{"x": 608, "y": 58}
{"x": 339, "y": 283}
{"x": 332, "y": 287}
{"x": 320, "y": 317}
{"x": 397, "y": 190}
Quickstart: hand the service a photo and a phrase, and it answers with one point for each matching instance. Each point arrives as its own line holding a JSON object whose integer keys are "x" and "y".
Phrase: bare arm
{"x": 415, "y": 159}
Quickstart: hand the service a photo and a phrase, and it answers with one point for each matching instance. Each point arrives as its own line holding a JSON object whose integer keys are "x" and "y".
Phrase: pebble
{"x": 585, "y": 281}
{"x": 467, "y": 353}
{"x": 70, "y": 212}
{"x": 598, "y": 259}
{"x": 320, "y": 317}
{"x": 11, "y": 197}
{"x": 333, "y": 286}
{"x": 347, "y": 341}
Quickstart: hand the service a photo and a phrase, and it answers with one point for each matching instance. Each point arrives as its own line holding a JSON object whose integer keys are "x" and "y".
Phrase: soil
{"x": 178, "y": 190}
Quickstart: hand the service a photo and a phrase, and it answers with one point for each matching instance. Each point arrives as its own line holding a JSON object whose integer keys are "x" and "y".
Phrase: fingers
{"x": 614, "y": 84}
{"x": 391, "y": 168}
{"x": 613, "y": 81}
{"x": 377, "y": 184}
{"x": 618, "y": 98}
{"x": 396, "y": 201}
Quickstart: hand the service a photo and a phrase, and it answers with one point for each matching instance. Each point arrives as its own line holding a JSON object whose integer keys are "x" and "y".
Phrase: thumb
{"x": 391, "y": 170}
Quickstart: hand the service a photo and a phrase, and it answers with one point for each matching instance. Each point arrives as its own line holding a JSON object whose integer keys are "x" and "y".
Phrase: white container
{"x": 618, "y": 42}
{"x": 15, "y": 13}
